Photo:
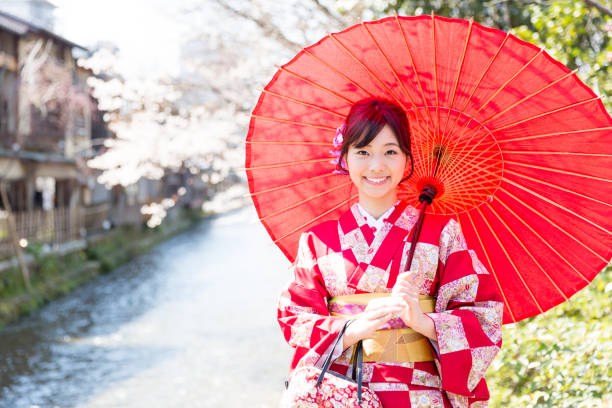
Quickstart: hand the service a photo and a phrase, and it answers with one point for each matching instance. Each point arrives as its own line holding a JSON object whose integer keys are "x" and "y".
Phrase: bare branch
{"x": 602, "y": 9}
{"x": 328, "y": 13}
{"x": 268, "y": 28}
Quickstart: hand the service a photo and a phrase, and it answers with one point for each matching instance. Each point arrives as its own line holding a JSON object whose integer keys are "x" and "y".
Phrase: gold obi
{"x": 391, "y": 344}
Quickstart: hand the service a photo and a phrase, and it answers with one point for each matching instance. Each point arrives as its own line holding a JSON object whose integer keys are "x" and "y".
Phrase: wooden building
{"x": 47, "y": 123}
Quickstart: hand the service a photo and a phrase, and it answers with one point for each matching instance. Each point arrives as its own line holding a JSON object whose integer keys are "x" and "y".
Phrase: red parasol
{"x": 520, "y": 146}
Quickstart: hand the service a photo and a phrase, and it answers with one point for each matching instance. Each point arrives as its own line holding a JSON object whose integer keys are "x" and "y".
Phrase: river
{"x": 191, "y": 323}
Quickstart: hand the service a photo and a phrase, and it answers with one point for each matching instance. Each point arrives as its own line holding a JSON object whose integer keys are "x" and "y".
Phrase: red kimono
{"x": 346, "y": 256}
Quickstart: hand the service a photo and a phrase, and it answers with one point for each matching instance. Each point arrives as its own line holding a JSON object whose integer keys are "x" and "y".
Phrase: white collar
{"x": 375, "y": 222}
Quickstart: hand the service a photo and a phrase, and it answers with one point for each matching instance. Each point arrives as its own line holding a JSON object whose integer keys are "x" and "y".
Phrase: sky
{"x": 144, "y": 30}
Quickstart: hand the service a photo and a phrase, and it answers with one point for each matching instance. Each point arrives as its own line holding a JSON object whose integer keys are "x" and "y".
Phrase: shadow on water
{"x": 178, "y": 325}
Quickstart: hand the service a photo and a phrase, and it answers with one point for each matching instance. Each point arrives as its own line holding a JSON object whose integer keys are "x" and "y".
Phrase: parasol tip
{"x": 429, "y": 185}
{"x": 428, "y": 193}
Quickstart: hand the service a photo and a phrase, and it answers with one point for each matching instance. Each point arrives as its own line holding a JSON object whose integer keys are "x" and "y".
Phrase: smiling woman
{"x": 426, "y": 330}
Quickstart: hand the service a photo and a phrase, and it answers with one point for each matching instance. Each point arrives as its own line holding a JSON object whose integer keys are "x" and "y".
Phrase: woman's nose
{"x": 376, "y": 163}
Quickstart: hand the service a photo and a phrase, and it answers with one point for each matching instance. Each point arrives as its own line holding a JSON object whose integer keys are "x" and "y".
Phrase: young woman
{"x": 429, "y": 333}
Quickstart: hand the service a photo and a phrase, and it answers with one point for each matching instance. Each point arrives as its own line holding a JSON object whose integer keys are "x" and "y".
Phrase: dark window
{"x": 8, "y": 43}
{"x": 59, "y": 52}
{"x": 4, "y": 115}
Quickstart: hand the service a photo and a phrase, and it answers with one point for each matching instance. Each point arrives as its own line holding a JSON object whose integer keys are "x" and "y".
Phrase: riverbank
{"x": 57, "y": 271}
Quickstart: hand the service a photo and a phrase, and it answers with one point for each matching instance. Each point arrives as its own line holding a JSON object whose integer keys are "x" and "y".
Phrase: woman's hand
{"x": 375, "y": 315}
{"x": 412, "y": 314}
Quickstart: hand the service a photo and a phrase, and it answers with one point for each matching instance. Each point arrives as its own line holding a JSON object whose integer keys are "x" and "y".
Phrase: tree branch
{"x": 269, "y": 29}
{"x": 602, "y": 9}
{"x": 329, "y": 14}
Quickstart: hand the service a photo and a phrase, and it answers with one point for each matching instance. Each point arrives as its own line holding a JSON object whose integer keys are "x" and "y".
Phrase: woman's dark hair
{"x": 367, "y": 118}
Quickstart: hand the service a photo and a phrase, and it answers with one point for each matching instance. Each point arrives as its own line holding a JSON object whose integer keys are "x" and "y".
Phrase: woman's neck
{"x": 378, "y": 206}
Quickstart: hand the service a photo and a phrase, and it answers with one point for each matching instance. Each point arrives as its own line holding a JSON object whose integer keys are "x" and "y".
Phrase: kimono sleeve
{"x": 467, "y": 318}
{"x": 302, "y": 311}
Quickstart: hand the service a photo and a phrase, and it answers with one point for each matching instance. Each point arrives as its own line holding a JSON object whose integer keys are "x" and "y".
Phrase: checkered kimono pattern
{"x": 346, "y": 256}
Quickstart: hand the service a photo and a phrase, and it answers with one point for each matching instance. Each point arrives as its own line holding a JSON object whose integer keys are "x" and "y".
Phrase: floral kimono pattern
{"x": 346, "y": 257}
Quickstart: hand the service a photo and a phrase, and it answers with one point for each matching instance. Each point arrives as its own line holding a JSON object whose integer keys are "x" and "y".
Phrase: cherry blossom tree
{"x": 198, "y": 119}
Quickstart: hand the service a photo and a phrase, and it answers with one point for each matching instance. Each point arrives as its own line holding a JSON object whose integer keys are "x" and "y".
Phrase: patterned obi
{"x": 394, "y": 342}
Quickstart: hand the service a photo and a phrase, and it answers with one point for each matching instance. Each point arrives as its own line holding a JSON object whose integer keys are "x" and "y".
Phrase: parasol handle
{"x": 426, "y": 198}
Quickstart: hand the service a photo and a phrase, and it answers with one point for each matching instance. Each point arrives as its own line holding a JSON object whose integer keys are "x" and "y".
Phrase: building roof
{"x": 21, "y": 27}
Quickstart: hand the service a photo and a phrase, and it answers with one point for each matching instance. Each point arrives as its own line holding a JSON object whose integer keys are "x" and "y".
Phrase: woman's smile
{"x": 377, "y": 181}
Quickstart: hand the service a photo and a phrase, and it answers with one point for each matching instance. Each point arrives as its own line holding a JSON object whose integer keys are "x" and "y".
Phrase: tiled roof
{"x": 21, "y": 27}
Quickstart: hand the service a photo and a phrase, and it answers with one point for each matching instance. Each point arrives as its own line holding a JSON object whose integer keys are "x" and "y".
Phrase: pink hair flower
{"x": 338, "y": 139}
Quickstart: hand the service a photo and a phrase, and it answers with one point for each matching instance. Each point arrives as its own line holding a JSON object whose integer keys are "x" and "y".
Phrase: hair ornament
{"x": 338, "y": 139}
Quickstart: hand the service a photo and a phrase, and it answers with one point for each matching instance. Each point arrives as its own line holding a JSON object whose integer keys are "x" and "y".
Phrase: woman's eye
{"x": 390, "y": 152}
{"x": 361, "y": 152}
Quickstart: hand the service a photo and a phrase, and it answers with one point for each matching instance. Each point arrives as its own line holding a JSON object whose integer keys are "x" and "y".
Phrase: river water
{"x": 192, "y": 323}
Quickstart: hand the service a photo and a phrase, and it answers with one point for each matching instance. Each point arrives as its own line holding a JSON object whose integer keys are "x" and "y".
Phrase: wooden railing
{"x": 51, "y": 227}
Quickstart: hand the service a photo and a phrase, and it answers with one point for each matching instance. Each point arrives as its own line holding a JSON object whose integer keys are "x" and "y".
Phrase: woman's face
{"x": 377, "y": 169}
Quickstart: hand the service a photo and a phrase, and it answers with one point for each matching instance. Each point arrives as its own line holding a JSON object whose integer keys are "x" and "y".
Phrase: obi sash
{"x": 393, "y": 342}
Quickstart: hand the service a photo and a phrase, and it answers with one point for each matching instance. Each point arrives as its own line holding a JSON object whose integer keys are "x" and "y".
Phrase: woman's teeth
{"x": 379, "y": 180}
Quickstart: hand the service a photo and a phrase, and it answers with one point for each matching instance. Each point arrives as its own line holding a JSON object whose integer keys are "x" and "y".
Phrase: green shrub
{"x": 560, "y": 358}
